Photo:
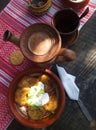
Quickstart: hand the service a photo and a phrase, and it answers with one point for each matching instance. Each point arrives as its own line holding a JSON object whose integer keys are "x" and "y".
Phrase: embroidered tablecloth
{"x": 16, "y": 17}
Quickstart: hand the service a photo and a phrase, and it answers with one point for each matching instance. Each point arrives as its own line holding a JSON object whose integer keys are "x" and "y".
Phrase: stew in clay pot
{"x": 36, "y": 97}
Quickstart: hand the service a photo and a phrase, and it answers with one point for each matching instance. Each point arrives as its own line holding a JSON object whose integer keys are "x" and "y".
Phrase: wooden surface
{"x": 3, "y": 3}
{"x": 84, "y": 68}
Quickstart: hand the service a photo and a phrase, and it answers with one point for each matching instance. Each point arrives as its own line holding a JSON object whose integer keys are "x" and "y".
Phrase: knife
{"x": 72, "y": 91}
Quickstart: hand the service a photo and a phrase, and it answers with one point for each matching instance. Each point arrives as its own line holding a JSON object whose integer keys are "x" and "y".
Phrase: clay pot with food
{"x": 76, "y": 4}
{"x": 41, "y": 102}
{"x": 41, "y": 43}
{"x": 39, "y": 7}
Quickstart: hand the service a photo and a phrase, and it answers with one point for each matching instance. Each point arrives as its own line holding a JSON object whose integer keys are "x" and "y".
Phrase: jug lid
{"x": 40, "y": 42}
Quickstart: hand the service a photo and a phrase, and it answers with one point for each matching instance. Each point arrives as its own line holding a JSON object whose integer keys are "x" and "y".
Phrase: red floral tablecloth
{"x": 16, "y": 17}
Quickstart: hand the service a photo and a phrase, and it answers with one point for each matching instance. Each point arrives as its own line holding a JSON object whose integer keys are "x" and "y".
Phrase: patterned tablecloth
{"x": 16, "y": 17}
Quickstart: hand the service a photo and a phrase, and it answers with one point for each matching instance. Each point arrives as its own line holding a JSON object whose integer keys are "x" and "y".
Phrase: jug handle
{"x": 66, "y": 55}
{"x": 8, "y": 36}
{"x": 84, "y": 13}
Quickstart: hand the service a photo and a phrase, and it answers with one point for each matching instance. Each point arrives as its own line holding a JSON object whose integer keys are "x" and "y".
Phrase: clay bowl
{"x": 42, "y": 123}
{"x": 75, "y": 4}
{"x": 39, "y": 7}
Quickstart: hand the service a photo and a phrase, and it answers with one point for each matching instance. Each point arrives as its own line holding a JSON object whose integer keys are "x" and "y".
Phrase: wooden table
{"x": 3, "y": 3}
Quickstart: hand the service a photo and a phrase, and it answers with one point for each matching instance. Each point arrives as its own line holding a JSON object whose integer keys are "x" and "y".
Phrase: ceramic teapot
{"x": 41, "y": 43}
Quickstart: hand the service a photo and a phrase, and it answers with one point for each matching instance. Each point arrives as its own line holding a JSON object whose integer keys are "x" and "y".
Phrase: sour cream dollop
{"x": 37, "y": 96}
{"x": 76, "y": 1}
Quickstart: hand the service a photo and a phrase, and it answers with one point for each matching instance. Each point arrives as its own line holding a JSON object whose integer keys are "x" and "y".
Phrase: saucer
{"x": 40, "y": 42}
{"x": 70, "y": 39}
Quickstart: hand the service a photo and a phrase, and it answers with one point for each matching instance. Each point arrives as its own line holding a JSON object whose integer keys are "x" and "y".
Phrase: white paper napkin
{"x": 72, "y": 90}
{"x": 69, "y": 84}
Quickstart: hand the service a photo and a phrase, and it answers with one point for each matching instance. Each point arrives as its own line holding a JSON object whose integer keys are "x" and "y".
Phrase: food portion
{"x": 37, "y": 3}
{"x": 37, "y": 96}
{"x": 76, "y": 1}
{"x": 16, "y": 57}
